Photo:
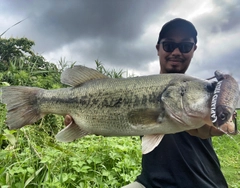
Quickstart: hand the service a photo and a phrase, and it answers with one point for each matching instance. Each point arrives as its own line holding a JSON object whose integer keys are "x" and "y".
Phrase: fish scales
{"x": 103, "y": 102}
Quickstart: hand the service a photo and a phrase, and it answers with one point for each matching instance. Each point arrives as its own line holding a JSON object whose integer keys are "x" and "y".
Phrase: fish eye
{"x": 222, "y": 116}
{"x": 211, "y": 86}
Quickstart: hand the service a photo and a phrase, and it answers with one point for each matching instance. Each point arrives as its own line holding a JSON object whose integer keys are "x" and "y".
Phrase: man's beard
{"x": 173, "y": 70}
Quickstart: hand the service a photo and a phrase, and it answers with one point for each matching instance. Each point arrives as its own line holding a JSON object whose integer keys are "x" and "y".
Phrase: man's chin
{"x": 175, "y": 70}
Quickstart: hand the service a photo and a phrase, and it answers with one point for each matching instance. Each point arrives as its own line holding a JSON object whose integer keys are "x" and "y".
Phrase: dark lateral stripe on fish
{"x": 106, "y": 102}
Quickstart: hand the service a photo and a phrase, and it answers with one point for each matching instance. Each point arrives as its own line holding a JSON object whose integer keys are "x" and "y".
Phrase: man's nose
{"x": 176, "y": 51}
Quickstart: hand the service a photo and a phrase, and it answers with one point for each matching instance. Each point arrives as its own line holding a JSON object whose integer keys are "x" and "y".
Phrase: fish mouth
{"x": 230, "y": 127}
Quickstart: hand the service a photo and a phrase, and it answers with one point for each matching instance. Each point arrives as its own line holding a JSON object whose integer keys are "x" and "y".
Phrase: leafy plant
{"x": 110, "y": 73}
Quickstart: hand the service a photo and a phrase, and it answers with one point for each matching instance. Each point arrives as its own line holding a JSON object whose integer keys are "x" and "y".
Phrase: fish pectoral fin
{"x": 149, "y": 142}
{"x": 80, "y": 74}
{"x": 70, "y": 133}
{"x": 145, "y": 116}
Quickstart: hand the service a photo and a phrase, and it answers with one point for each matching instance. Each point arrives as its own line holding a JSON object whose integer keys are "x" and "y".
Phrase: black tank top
{"x": 182, "y": 161}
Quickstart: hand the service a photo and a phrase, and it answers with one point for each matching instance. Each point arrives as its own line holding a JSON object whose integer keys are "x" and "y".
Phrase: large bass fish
{"x": 149, "y": 105}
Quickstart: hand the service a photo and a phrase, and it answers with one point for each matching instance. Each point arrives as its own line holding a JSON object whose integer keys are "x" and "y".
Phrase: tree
{"x": 14, "y": 47}
{"x": 19, "y": 65}
{"x": 20, "y": 52}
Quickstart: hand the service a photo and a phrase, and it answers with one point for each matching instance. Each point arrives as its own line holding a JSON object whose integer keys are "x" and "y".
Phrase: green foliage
{"x": 228, "y": 150}
{"x": 18, "y": 74}
{"x": 14, "y": 48}
{"x": 20, "y": 66}
{"x": 33, "y": 158}
{"x": 112, "y": 73}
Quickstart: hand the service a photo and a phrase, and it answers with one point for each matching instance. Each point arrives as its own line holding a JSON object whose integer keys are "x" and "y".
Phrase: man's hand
{"x": 206, "y": 131}
{"x": 67, "y": 120}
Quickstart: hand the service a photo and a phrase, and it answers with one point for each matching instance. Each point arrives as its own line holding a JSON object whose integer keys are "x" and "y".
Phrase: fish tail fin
{"x": 21, "y": 104}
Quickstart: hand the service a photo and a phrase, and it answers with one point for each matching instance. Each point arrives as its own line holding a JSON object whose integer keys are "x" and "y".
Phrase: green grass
{"x": 228, "y": 151}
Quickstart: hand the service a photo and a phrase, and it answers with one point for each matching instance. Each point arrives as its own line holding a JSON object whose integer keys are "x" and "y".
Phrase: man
{"x": 185, "y": 159}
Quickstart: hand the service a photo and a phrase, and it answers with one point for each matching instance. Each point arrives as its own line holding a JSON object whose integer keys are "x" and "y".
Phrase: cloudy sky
{"x": 122, "y": 34}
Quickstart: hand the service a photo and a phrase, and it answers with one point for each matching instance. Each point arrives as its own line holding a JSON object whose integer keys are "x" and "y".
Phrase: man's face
{"x": 175, "y": 61}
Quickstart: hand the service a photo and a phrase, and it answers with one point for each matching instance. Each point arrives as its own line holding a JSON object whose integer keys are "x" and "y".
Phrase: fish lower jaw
{"x": 179, "y": 120}
{"x": 188, "y": 122}
{"x": 228, "y": 127}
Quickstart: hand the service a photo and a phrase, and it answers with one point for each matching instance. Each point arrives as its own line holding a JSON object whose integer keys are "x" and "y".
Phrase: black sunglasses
{"x": 184, "y": 47}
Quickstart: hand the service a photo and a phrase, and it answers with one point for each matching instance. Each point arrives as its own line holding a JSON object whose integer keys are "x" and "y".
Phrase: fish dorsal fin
{"x": 149, "y": 142}
{"x": 80, "y": 74}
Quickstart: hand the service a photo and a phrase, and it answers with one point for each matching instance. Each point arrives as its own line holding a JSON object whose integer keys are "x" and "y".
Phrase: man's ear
{"x": 195, "y": 47}
{"x": 157, "y": 47}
